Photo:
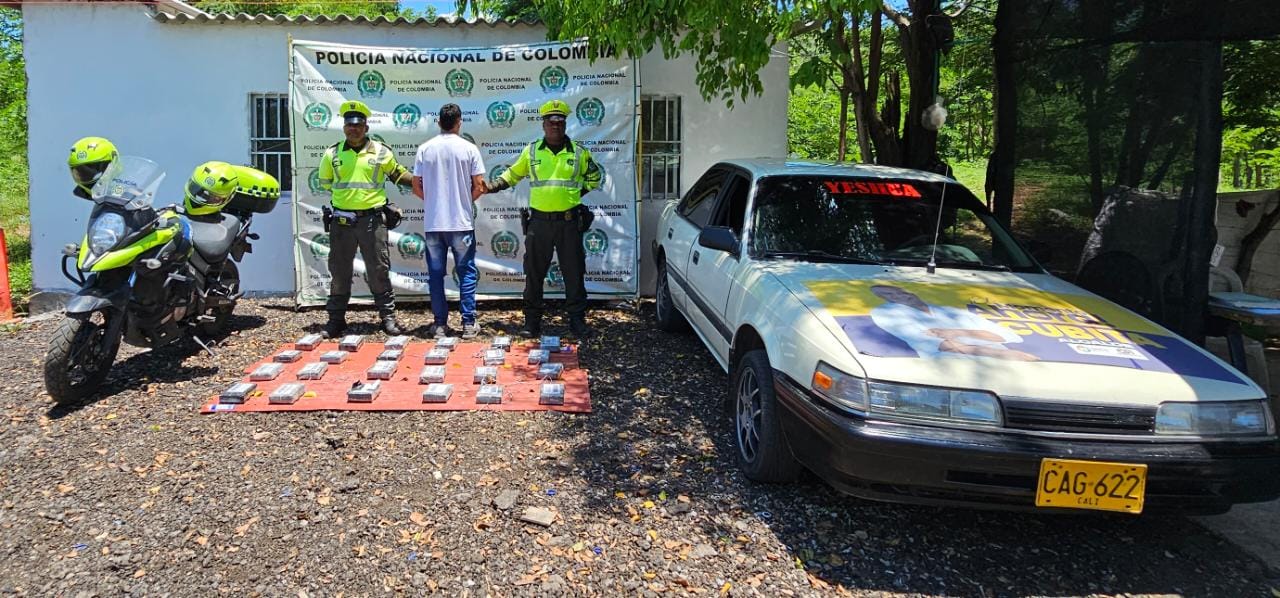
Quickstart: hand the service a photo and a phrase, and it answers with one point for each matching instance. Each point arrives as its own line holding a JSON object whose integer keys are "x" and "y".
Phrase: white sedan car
{"x": 881, "y": 329}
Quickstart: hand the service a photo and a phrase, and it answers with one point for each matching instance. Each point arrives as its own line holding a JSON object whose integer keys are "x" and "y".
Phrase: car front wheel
{"x": 762, "y": 452}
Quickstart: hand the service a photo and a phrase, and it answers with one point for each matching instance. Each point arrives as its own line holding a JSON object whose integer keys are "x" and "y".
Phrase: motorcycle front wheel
{"x": 80, "y": 355}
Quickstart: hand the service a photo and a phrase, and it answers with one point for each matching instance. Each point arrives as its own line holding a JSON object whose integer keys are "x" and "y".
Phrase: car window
{"x": 701, "y": 200}
{"x": 879, "y": 221}
{"x": 733, "y": 205}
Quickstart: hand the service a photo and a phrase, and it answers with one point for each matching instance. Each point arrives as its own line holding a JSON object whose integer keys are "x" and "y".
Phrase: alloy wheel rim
{"x": 662, "y": 292}
{"x": 749, "y": 416}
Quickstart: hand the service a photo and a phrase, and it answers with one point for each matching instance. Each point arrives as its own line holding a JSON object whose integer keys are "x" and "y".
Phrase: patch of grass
{"x": 15, "y": 218}
{"x": 973, "y": 175}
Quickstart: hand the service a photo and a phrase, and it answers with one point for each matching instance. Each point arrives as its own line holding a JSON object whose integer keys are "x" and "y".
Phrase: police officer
{"x": 560, "y": 172}
{"x": 355, "y": 170}
{"x": 89, "y": 158}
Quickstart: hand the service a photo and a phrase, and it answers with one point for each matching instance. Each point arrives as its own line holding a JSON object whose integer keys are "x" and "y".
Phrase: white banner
{"x": 499, "y": 90}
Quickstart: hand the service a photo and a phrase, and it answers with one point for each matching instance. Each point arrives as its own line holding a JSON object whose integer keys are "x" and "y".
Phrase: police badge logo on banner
{"x": 371, "y": 84}
{"x": 317, "y": 116}
{"x": 590, "y": 112}
{"x": 595, "y": 242}
{"x": 411, "y": 246}
{"x": 459, "y": 83}
{"x": 500, "y": 114}
{"x": 553, "y": 79}
{"x": 505, "y": 244}
{"x": 406, "y": 116}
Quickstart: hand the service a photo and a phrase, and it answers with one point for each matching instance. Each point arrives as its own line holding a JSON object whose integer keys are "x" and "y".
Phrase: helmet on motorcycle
{"x": 89, "y": 159}
{"x": 211, "y": 187}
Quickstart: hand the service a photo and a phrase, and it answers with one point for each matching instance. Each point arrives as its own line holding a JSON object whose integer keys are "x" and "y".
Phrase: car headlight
{"x": 926, "y": 403}
{"x": 1235, "y": 418}
{"x": 105, "y": 232}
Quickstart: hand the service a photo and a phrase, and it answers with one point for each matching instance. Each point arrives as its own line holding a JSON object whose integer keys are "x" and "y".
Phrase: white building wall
{"x": 178, "y": 93}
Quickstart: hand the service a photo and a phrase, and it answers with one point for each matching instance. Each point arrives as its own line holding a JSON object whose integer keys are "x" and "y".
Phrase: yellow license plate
{"x": 1069, "y": 484}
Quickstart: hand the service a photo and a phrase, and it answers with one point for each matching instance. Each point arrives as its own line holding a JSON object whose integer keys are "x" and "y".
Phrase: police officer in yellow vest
{"x": 560, "y": 172}
{"x": 355, "y": 170}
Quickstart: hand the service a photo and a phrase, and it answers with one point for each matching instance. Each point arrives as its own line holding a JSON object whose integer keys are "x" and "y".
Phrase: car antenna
{"x": 933, "y": 265}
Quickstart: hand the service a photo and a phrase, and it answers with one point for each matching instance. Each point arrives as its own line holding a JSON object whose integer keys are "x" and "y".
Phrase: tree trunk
{"x": 1003, "y": 156}
{"x": 870, "y": 128}
{"x": 888, "y": 147}
{"x": 1250, "y": 243}
{"x": 855, "y": 81}
{"x": 844, "y": 123}
{"x": 1163, "y": 170}
{"x": 1097, "y": 17}
{"x": 1200, "y": 235}
{"x": 1235, "y": 172}
{"x": 920, "y": 145}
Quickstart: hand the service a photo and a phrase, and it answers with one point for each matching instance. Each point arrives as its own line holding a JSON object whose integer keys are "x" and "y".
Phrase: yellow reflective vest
{"x": 557, "y": 180}
{"x": 356, "y": 178}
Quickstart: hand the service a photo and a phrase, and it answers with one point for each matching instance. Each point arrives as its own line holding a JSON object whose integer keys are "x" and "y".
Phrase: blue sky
{"x": 443, "y": 7}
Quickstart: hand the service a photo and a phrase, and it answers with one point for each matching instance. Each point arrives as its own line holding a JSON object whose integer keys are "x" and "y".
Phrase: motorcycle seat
{"x": 213, "y": 235}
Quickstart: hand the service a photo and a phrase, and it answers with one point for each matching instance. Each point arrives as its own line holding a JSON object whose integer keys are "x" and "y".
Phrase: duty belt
{"x": 360, "y": 213}
{"x": 566, "y": 215}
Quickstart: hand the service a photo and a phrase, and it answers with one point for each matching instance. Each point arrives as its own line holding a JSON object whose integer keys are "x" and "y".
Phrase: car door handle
{"x": 695, "y": 257}
{"x": 669, "y": 233}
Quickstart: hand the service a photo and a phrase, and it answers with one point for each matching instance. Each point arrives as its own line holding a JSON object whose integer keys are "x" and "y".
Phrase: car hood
{"x": 1016, "y": 335}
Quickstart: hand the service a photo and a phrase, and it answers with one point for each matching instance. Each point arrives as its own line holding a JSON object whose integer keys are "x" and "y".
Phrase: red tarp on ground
{"x": 403, "y": 392}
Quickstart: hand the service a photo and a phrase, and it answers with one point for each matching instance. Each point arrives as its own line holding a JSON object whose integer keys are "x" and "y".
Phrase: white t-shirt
{"x": 912, "y": 326}
{"x": 446, "y": 164}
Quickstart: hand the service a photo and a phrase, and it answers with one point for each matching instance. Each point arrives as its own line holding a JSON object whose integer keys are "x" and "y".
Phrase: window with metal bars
{"x": 269, "y": 136}
{"x": 660, "y": 147}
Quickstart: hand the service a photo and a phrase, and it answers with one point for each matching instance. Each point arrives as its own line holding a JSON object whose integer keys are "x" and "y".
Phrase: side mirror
{"x": 720, "y": 238}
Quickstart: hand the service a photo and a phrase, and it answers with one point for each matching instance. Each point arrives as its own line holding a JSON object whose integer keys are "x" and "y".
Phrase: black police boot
{"x": 578, "y": 326}
{"x": 532, "y": 328}
{"x": 390, "y": 326}
{"x": 336, "y": 324}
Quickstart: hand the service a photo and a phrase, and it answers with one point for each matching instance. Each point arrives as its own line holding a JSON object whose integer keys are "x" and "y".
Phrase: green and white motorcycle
{"x": 148, "y": 277}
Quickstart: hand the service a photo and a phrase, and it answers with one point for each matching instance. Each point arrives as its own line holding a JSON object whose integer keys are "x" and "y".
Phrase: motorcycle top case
{"x": 258, "y": 191}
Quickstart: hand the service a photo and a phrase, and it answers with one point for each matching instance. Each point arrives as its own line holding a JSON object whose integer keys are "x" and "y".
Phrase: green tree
{"x": 732, "y": 42}
{"x": 14, "y": 211}
{"x": 294, "y": 8}
{"x": 507, "y": 10}
{"x": 13, "y": 83}
{"x": 813, "y": 123}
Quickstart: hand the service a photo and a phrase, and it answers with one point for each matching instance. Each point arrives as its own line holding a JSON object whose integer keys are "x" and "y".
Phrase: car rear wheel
{"x": 763, "y": 453}
{"x": 668, "y": 318}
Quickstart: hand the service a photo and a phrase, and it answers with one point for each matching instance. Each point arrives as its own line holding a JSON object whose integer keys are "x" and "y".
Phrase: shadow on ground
{"x": 659, "y": 430}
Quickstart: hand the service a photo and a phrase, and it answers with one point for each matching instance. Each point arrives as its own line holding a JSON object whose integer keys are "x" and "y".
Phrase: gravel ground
{"x": 134, "y": 492}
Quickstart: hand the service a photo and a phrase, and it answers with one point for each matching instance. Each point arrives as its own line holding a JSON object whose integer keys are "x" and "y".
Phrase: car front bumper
{"x": 930, "y": 465}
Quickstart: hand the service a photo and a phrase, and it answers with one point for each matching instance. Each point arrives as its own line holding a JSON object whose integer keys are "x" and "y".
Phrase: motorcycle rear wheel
{"x": 80, "y": 355}
{"x": 230, "y": 278}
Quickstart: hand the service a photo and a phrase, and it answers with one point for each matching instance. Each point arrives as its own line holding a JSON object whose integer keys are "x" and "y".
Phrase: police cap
{"x": 554, "y": 107}
{"x": 354, "y": 112}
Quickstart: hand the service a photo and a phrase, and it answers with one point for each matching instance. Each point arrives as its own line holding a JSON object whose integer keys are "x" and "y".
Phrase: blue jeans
{"x": 463, "y": 246}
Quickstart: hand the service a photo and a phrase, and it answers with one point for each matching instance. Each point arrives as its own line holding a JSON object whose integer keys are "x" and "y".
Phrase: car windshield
{"x": 879, "y": 221}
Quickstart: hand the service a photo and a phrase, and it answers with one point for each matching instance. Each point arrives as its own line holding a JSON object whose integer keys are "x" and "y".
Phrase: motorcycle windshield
{"x": 130, "y": 181}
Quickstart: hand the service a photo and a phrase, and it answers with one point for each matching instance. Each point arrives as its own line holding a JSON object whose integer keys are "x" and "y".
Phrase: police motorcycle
{"x": 152, "y": 276}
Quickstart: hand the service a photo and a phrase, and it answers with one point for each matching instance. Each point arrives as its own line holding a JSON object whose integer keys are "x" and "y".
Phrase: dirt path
{"x": 135, "y": 492}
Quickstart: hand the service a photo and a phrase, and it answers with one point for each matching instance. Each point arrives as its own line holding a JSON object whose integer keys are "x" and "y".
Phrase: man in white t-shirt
{"x": 448, "y": 175}
{"x": 939, "y": 330}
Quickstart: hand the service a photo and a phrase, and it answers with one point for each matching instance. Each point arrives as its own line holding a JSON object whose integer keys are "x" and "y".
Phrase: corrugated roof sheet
{"x": 261, "y": 19}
